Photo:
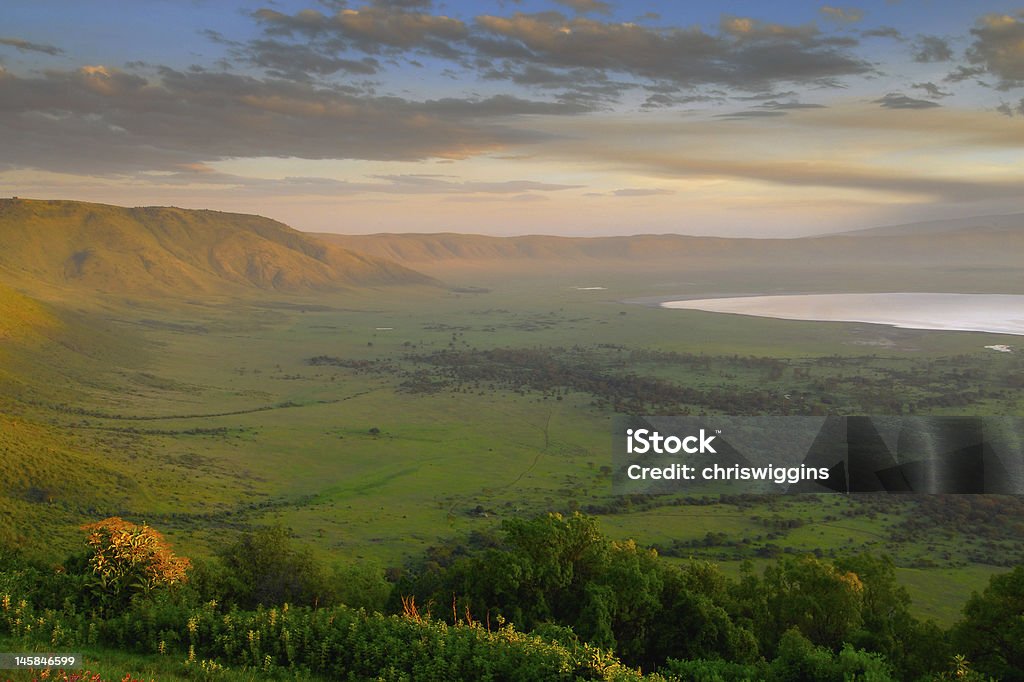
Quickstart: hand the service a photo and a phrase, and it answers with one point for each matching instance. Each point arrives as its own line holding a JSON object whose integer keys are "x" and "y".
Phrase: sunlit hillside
{"x": 171, "y": 251}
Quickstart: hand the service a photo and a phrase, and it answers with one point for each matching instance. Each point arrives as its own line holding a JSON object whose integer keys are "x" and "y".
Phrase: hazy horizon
{"x": 556, "y": 117}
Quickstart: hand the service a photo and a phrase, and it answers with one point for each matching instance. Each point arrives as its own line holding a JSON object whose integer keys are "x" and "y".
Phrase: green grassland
{"x": 206, "y": 417}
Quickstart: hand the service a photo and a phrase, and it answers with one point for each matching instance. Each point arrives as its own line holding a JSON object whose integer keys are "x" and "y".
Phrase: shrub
{"x": 127, "y": 559}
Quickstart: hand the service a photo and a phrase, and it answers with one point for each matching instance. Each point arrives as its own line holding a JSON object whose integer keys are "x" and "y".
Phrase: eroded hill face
{"x": 170, "y": 251}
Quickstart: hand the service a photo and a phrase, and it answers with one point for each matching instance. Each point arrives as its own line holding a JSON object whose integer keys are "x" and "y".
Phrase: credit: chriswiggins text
{"x": 734, "y": 472}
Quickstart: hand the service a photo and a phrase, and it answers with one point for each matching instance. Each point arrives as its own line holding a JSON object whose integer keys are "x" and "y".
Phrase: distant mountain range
{"x": 988, "y": 223}
{"x": 991, "y": 242}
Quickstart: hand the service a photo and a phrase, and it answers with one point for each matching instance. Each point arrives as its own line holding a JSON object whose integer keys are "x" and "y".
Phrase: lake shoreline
{"x": 1001, "y": 314}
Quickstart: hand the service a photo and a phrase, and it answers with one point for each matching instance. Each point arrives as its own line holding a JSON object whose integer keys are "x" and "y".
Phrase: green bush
{"x": 335, "y": 643}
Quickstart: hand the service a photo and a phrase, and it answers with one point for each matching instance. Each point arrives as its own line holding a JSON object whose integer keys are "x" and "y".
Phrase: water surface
{"x": 997, "y": 313}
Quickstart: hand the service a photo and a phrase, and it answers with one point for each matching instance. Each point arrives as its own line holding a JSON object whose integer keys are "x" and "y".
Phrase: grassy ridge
{"x": 171, "y": 251}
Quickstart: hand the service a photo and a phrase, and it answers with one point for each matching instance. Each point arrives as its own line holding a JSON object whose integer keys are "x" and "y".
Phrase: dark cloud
{"x": 538, "y": 76}
{"x": 766, "y": 96}
{"x": 586, "y": 89}
{"x": 373, "y": 30}
{"x": 931, "y": 49}
{"x": 101, "y": 120}
{"x": 779, "y": 106}
{"x": 895, "y": 100}
{"x": 1011, "y": 109}
{"x": 771, "y": 109}
{"x": 310, "y": 45}
{"x": 309, "y": 22}
{"x": 496, "y": 106}
{"x": 963, "y": 73}
{"x": 369, "y": 28}
{"x": 931, "y": 89}
{"x": 26, "y": 46}
{"x": 660, "y": 100}
{"x": 754, "y": 30}
{"x": 593, "y": 61}
{"x": 746, "y": 53}
{"x": 301, "y": 62}
{"x": 999, "y": 48}
{"x": 752, "y": 113}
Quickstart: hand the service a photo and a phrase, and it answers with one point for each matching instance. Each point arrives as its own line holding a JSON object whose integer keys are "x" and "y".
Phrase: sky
{"x": 505, "y": 117}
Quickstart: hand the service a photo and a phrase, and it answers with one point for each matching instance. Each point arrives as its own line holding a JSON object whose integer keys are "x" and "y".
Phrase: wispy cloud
{"x": 897, "y": 100}
{"x": 843, "y": 15}
{"x": 26, "y": 46}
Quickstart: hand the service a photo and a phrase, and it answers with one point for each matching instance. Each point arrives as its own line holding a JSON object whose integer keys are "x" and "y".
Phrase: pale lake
{"x": 996, "y": 313}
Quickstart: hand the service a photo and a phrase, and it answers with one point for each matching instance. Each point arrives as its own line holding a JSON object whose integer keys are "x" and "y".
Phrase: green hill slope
{"x": 172, "y": 251}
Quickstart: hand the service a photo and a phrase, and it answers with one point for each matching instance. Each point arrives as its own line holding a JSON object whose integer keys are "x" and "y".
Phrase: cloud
{"x": 26, "y": 46}
{"x": 932, "y": 89}
{"x": 883, "y": 32}
{"x": 496, "y": 106}
{"x": 771, "y": 109}
{"x": 747, "y": 29}
{"x": 641, "y": 192}
{"x": 1011, "y": 110}
{"x": 803, "y": 173}
{"x": 746, "y": 53}
{"x": 373, "y": 30}
{"x": 752, "y": 113}
{"x": 766, "y": 95}
{"x": 518, "y": 198}
{"x": 587, "y": 6}
{"x": 962, "y": 73}
{"x": 430, "y": 184}
{"x": 896, "y": 100}
{"x": 999, "y": 48}
{"x": 594, "y": 62}
{"x": 101, "y": 120}
{"x": 404, "y": 4}
{"x": 849, "y": 15}
{"x": 197, "y": 176}
{"x": 778, "y": 106}
{"x": 931, "y": 49}
{"x": 299, "y": 62}
{"x": 660, "y": 100}
{"x": 896, "y": 155}
{"x": 371, "y": 27}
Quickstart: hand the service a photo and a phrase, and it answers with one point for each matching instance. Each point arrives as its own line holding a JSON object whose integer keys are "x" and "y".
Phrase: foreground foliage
{"x": 551, "y": 599}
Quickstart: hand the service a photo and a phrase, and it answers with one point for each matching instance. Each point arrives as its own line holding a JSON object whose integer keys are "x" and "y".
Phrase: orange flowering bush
{"x": 129, "y": 559}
